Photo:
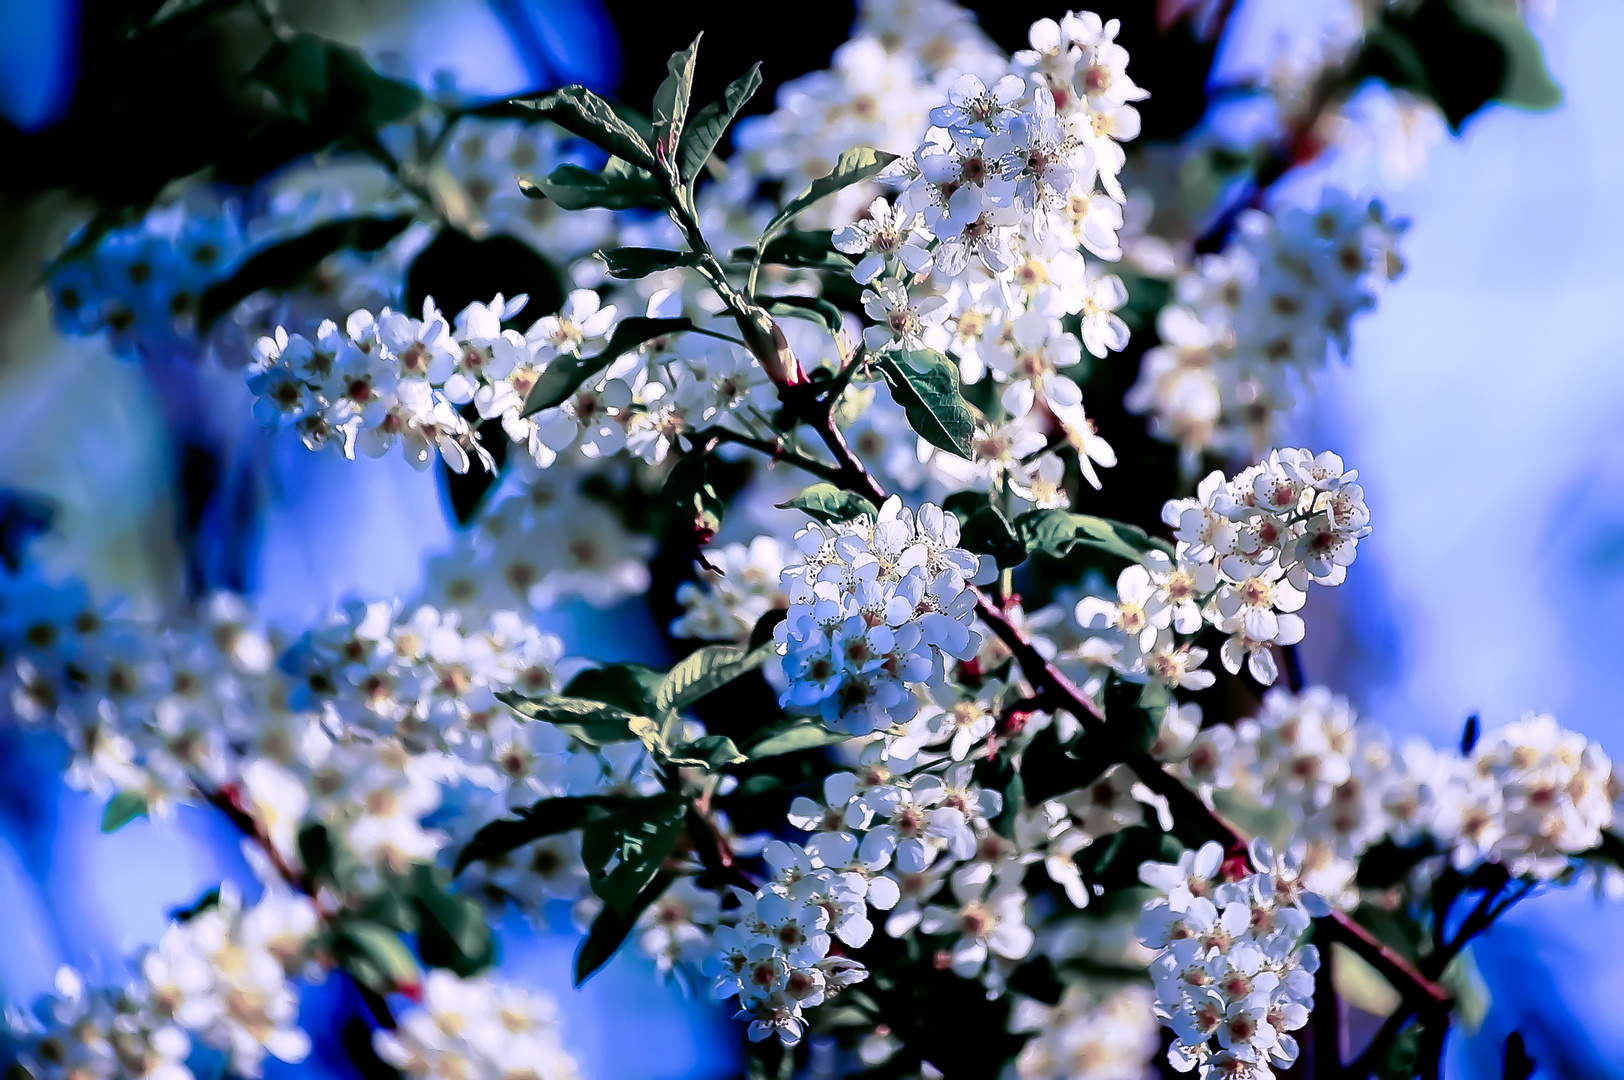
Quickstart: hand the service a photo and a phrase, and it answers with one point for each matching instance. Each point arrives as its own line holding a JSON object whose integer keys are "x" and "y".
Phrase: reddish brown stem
{"x": 226, "y": 802}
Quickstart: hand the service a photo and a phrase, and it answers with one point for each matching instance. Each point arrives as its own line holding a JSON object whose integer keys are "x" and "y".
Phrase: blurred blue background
{"x": 1481, "y": 406}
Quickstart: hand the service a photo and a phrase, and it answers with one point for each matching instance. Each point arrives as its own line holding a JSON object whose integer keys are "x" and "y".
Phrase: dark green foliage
{"x": 926, "y": 384}
{"x": 1462, "y": 54}
{"x": 830, "y": 505}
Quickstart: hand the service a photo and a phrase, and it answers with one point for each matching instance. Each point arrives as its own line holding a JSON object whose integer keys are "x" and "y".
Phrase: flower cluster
{"x": 776, "y": 957}
{"x": 544, "y": 543}
{"x": 995, "y": 208}
{"x": 905, "y": 833}
{"x": 221, "y": 976}
{"x": 1083, "y": 1038}
{"x": 1231, "y": 965}
{"x": 1248, "y": 548}
{"x": 390, "y": 380}
{"x": 740, "y": 585}
{"x": 360, "y": 724}
{"x": 1529, "y": 796}
{"x": 142, "y": 282}
{"x": 98, "y": 1033}
{"x": 477, "y": 1029}
{"x": 1251, "y": 326}
{"x": 875, "y": 606}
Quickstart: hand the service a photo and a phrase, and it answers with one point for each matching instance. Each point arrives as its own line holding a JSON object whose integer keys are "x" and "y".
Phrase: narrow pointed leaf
{"x": 637, "y": 262}
{"x": 376, "y": 956}
{"x": 987, "y": 532}
{"x": 122, "y": 809}
{"x": 617, "y": 186}
{"x": 622, "y": 853}
{"x": 671, "y": 105}
{"x": 811, "y": 308}
{"x": 707, "y": 670}
{"x": 711, "y": 752}
{"x": 581, "y": 112}
{"x": 852, "y": 167}
{"x": 632, "y": 687}
{"x": 707, "y": 126}
{"x": 791, "y": 736}
{"x": 452, "y": 930}
{"x": 610, "y": 928}
{"x": 592, "y": 722}
{"x": 809, "y": 250}
{"x": 1057, "y": 532}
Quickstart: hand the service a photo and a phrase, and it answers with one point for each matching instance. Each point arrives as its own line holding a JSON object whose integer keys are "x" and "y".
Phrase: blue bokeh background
{"x": 1481, "y": 406}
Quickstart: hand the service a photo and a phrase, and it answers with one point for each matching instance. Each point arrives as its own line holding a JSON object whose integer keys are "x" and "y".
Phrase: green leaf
{"x": 375, "y": 956}
{"x": 392, "y": 906}
{"x": 623, "y": 852}
{"x": 671, "y": 106}
{"x": 762, "y": 633}
{"x": 592, "y": 722}
{"x": 581, "y": 112}
{"x": 618, "y": 186}
{"x": 287, "y": 263}
{"x": 711, "y": 752}
{"x": 707, "y": 670}
{"x": 811, "y": 308}
{"x": 452, "y": 931}
{"x": 610, "y": 928}
{"x": 987, "y": 532}
{"x": 548, "y": 817}
{"x": 1462, "y": 54}
{"x": 852, "y": 167}
{"x": 706, "y": 127}
{"x": 122, "y": 809}
{"x": 791, "y": 736}
{"x": 926, "y": 384}
{"x": 633, "y": 687}
{"x": 808, "y": 250}
{"x": 830, "y": 505}
{"x": 636, "y": 262}
{"x": 1056, "y": 532}
{"x": 210, "y": 899}
{"x": 1402, "y": 1059}
{"x": 1112, "y": 862}
{"x": 565, "y": 375}
{"x": 332, "y": 87}
{"x": 1527, "y": 82}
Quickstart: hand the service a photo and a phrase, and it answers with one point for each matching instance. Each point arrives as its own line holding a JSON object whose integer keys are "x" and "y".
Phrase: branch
{"x": 773, "y": 448}
{"x": 225, "y": 801}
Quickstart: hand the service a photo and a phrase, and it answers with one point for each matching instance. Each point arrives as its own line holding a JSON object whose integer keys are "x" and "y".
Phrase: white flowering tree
{"x": 957, "y": 773}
